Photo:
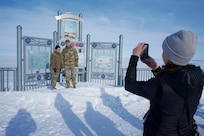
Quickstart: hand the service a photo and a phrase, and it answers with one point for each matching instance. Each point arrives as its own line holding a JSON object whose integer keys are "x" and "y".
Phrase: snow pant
{"x": 70, "y": 72}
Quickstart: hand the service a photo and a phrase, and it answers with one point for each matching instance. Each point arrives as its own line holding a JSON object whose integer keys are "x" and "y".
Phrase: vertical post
{"x": 2, "y": 79}
{"x": 80, "y": 39}
{"x": 19, "y": 58}
{"x": 88, "y": 58}
{"x": 120, "y": 60}
{"x": 24, "y": 64}
{"x": 80, "y": 26}
{"x": 7, "y": 76}
{"x": 54, "y": 40}
{"x": 15, "y": 81}
{"x": 59, "y": 27}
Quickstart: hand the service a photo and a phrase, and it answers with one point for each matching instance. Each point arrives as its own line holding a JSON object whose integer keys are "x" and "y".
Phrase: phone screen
{"x": 145, "y": 53}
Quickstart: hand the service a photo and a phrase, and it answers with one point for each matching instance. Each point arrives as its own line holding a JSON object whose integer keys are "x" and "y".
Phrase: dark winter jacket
{"x": 173, "y": 96}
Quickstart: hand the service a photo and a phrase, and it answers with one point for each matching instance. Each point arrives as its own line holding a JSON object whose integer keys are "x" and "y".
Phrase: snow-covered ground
{"x": 90, "y": 109}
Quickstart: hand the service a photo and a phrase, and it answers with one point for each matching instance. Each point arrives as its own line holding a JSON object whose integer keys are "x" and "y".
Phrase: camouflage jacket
{"x": 55, "y": 61}
{"x": 69, "y": 56}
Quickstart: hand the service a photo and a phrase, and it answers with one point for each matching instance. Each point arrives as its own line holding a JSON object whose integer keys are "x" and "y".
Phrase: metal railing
{"x": 143, "y": 74}
{"x": 8, "y": 79}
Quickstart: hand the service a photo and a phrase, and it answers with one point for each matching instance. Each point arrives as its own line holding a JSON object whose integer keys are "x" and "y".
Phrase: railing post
{"x": 2, "y": 79}
{"x": 7, "y": 77}
{"x": 15, "y": 80}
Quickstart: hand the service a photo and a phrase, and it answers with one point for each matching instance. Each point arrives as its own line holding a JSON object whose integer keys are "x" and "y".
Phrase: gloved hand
{"x": 55, "y": 69}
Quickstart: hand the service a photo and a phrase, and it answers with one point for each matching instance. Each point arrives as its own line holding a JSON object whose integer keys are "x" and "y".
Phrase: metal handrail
{"x": 143, "y": 74}
{"x": 6, "y": 79}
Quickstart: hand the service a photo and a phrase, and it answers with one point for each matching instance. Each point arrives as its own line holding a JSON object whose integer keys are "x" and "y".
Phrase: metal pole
{"x": 24, "y": 64}
{"x": 59, "y": 27}
{"x": 2, "y": 79}
{"x": 80, "y": 27}
{"x": 19, "y": 58}
{"x": 120, "y": 60}
{"x": 14, "y": 77}
{"x": 88, "y": 58}
{"x": 54, "y": 40}
{"x": 7, "y": 85}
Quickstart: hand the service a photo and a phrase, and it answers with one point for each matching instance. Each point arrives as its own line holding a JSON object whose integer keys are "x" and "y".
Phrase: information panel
{"x": 37, "y": 59}
{"x": 81, "y": 50}
{"x": 69, "y": 29}
{"x": 104, "y": 56}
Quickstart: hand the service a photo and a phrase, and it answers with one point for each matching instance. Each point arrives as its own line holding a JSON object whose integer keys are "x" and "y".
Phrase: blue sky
{"x": 137, "y": 20}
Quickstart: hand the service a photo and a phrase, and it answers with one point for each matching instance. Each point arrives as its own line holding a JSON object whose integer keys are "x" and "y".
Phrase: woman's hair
{"x": 170, "y": 66}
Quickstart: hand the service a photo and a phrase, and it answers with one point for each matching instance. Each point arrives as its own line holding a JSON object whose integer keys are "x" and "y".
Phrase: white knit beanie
{"x": 180, "y": 47}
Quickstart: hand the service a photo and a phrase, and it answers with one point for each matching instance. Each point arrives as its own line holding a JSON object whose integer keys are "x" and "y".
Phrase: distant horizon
{"x": 125, "y": 61}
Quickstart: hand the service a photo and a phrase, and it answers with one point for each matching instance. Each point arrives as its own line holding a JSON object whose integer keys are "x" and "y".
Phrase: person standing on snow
{"x": 55, "y": 65}
{"x": 70, "y": 61}
{"x": 174, "y": 92}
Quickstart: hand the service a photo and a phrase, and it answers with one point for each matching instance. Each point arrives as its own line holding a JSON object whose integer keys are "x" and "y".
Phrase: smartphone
{"x": 145, "y": 53}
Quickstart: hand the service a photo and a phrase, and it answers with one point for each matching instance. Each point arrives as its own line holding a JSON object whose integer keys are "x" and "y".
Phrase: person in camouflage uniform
{"x": 55, "y": 65}
{"x": 69, "y": 62}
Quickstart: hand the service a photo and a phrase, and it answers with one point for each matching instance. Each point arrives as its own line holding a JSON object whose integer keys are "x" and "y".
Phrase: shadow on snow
{"x": 21, "y": 125}
{"x": 116, "y": 106}
{"x": 72, "y": 121}
{"x": 100, "y": 123}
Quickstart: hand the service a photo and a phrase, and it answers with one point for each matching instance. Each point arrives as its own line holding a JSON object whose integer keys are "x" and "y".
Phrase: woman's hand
{"x": 150, "y": 62}
{"x": 139, "y": 49}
